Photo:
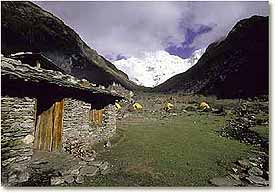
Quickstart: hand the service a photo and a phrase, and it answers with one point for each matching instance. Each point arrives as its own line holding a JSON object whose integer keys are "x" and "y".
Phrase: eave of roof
{"x": 29, "y": 55}
{"x": 13, "y": 69}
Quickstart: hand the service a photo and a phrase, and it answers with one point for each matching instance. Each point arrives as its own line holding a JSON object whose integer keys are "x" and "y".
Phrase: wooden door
{"x": 96, "y": 116}
{"x": 48, "y": 126}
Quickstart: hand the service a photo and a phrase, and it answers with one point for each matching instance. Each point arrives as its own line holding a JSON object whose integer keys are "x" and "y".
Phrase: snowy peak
{"x": 156, "y": 67}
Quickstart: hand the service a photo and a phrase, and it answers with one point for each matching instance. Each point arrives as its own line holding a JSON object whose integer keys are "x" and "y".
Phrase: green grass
{"x": 178, "y": 151}
{"x": 262, "y": 130}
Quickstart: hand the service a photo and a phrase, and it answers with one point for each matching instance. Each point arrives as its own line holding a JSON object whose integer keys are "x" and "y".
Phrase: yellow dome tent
{"x": 168, "y": 106}
{"x": 118, "y": 106}
{"x": 137, "y": 106}
{"x": 204, "y": 106}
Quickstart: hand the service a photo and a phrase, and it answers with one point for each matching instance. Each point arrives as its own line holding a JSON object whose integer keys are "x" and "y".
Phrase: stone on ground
{"x": 257, "y": 180}
{"x": 88, "y": 171}
{"x": 224, "y": 181}
{"x": 57, "y": 181}
{"x": 69, "y": 179}
{"x": 255, "y": 171}
{"x": 79, "y": 180}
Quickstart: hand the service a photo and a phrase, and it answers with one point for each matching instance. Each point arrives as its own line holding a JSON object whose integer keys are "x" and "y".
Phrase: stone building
{"x": 46, "y": 110}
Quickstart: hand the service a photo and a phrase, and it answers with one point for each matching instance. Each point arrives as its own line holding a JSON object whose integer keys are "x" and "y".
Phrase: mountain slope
{"x": 234, "y": 67}
{"x": 25, "y": 27}
{"x": 156, "y": 67}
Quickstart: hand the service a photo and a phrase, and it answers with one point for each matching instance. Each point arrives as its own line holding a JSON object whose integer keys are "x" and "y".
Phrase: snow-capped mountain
{"x": 156, "y": 67}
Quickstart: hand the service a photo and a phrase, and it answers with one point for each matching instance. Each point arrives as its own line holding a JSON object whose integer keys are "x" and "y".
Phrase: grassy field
{"x": 182, "y": 150}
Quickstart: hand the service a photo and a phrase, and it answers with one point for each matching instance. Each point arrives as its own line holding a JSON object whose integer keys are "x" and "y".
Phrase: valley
{"x": 72, "y": 118}
{"x": 182, "y": 147}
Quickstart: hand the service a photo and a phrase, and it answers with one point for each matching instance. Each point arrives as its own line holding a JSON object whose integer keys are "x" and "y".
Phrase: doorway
{"x": 48, "y": 124}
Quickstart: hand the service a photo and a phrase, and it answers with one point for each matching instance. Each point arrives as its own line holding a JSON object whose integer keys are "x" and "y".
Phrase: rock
{"x": 12, "y": 179}
{"x": 104, "y": 166}
{"x": 57, "y": 181}
{"x": 244, "y": 163}
{"x": 234, "y": 170}
{"x": 23, "y": 176}
{"x": 82, "y": 163}
{"x": 95, "y": 163}
{"x": 255, "y": 171}
{"x": 243, "y": 175}
{"x": 69, "y": 179}
{"x": 75, "y": 170}
{"x": 235, "y": 177}
{"x": 206, "y": 110}
{"x": 7, "y": 65}
{"x": 254, "y": 160}
{"x": 79, "y": 180}
{"x": 39, "y": 162}
{"x": 224, "y": 181}
{"x": 220, "y": 110}
{"x": 253, "y": 164}
{"x": 20, "y": 171}
{"x": 107, "y": 171}
{"x": 257, "y": 180}
{"x": 8, "y": 161}
{"x": 88, "y": 159}
{"x": 88, "y": 171}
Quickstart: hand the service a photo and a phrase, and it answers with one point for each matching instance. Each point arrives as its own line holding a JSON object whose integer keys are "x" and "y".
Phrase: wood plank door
{"x": 96, "y": 116}
{"x": 48, "y": 126}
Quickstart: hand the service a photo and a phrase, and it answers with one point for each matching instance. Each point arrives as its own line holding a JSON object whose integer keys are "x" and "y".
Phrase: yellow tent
{"x": 168, "y": 106}
{"x": 204, "y": 106}
{"x": 137, "y": 106}
{"x": 118, "y": 106}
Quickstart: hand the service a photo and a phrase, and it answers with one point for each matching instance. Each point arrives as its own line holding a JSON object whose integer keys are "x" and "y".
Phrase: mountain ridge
{"x": 236, "y": 66}
{"x": 26, "y": 27}
{"x": 153, "y": 68}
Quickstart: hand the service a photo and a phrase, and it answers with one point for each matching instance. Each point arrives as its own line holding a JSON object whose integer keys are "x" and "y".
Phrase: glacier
{"x": 154, "y": 68}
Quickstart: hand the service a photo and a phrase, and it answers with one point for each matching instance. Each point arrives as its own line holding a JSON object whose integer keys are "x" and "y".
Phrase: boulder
{"x": 55, "y": 181}
{"x": 257, "y": 180}
{"x": 69, "y": 179}
{"x": 104, "y": 166}
{"x": 244, "y": 163}
{"x": 88, "y": 171}
{"x": 79, "y": 180}
{"x": 224, "y": 181}
{"x": 255, "y": 171}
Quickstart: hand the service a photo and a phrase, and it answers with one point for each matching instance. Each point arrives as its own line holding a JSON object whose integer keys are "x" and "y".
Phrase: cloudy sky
{"x": 130, "y": 29}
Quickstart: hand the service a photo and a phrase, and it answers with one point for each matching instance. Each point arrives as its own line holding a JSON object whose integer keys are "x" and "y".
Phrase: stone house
{"x": 47, "y": 110}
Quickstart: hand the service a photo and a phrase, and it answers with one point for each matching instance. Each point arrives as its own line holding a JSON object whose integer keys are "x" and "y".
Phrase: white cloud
{"x": 130, "y": 28}
{"x": 121, "y": 27}
{"x": 222, "y": 16}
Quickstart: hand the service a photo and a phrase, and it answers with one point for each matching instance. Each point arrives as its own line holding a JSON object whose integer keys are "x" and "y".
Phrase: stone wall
{"x": 79, "y": 133}
{"x": 17, "y": 135}
{"x": 75, "y": 126}
{"x": 108, "y": 128}
{"x": 18, "y": 127}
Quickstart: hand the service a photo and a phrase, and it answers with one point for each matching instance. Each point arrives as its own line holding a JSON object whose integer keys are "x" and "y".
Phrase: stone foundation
{"x": 17, "y": 135}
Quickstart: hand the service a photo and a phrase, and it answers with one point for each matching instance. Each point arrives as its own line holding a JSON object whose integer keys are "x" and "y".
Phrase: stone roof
{"x": 13, "y": 69}
{"x": 37, "y": 56}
